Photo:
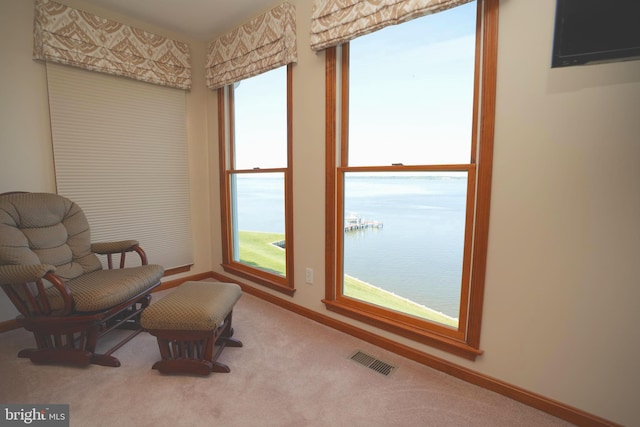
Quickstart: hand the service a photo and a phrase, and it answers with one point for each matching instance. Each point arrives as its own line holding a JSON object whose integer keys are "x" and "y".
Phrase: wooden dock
{"x": 354, "y": 223}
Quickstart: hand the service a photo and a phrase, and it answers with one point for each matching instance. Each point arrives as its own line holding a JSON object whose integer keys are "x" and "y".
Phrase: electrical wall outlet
{"x": 308, "y": 276}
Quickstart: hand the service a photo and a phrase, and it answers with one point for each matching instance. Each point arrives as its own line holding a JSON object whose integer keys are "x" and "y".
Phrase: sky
{"x": 411, "y": 97}
{"x": 261, "y": 121}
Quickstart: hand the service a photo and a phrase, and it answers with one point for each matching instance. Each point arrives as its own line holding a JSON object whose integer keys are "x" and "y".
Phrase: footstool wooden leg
{"x": 224, "y": 340}
{"x": 227, "y": 332}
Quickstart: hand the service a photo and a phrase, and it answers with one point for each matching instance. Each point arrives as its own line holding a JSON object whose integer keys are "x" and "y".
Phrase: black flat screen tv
{"x": 592, "y": 31}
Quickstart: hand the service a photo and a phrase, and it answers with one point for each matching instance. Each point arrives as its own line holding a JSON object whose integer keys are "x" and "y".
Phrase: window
{"x": 408, "y": 175}
{"x": 256, "y": 195}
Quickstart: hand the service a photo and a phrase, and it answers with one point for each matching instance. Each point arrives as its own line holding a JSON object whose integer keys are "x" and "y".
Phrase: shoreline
{"x": 406, "y": 300}
{"x": 360, "y": 286}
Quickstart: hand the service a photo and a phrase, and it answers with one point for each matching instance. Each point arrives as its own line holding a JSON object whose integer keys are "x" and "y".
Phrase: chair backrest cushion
{"x": 45, "y": 228}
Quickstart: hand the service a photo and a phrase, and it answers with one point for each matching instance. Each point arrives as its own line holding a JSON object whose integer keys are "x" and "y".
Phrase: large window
{"x": 256, "y": 181}
{"x": 409, "y": 163}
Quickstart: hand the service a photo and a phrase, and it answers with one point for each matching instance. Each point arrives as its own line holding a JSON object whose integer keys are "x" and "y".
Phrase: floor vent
{"x": 371, "y": 362}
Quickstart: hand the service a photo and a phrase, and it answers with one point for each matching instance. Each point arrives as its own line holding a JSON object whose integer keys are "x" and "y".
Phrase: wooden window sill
{"x": 441, "y": 342}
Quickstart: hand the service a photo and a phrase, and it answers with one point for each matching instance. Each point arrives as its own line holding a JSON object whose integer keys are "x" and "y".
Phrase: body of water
{"x": 416, "y": 254}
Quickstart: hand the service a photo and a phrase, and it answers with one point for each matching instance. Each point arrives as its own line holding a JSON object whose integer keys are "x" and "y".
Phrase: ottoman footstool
{"x": 189, "y": 323}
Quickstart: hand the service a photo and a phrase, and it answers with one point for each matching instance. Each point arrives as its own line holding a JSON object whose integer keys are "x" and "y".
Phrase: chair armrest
{"x": 24, "y": 286}
{"x": 14, "y": 274}
{"x": 121, "y": 247}
{"x": 105, "y": 248}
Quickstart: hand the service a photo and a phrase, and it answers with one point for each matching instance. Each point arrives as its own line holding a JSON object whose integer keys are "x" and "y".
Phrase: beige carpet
{"x": 290, "y": 372}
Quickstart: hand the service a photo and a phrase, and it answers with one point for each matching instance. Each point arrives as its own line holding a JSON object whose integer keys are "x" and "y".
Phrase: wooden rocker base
{"x": 73, "y": 340}
{"x": 57, "y": 356}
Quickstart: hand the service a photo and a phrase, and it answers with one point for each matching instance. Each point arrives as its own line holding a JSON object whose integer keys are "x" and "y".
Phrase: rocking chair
{"x": 51, "y": 273}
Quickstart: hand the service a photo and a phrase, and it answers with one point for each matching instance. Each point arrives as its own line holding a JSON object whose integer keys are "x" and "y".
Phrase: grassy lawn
{"x": 257, "y": 250}
{"x": 358, "y": 289}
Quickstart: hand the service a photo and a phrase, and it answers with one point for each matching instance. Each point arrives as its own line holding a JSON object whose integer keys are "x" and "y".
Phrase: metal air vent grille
{"x": 371, "y": 362}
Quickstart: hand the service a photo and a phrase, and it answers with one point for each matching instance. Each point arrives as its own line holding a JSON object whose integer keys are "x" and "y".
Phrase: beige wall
{"x": 561, "y": 291}
{"x": 562, "y": 284}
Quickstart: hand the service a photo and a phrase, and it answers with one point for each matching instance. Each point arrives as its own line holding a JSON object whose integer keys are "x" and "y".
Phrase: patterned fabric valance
{"x": 338, "y": 21}
{"x": 73, "y": 37}
{"x": 262, "y": 44}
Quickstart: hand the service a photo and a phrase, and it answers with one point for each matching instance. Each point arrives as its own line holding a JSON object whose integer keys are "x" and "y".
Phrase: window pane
{"x": 407, "y": 251}
{"x": 411, "y": 91}
{"x": 259, "y": 221}
{"x": 260, "y": 104}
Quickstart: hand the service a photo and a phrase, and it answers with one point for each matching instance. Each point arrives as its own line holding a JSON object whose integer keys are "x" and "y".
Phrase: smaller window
{"x": 256, "y": 199}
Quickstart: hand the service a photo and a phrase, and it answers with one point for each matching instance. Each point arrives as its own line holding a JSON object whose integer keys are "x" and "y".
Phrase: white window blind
{"x": 120, "y": 153}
